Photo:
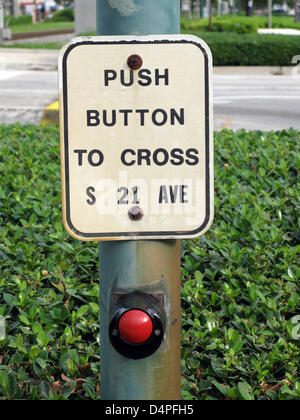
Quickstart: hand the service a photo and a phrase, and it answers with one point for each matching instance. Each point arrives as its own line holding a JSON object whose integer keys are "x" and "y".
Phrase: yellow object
{"x": 54, "y": 106}
{"x": 51, "y": 114}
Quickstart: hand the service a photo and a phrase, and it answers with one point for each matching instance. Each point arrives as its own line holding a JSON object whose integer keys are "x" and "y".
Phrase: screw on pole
{"x": 151, "y": 267}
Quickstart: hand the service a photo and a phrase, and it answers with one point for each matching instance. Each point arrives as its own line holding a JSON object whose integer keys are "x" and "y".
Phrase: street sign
{"x": 136, "y": 137}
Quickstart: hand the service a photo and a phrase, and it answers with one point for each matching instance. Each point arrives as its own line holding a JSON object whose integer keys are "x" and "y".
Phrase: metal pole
{"x": 209, "y": 5}
{"x": 270, "y": 14}
{"x": 219, "y": 7}
{"x": 143, "y": 266}
{"x": 35, "y": 12}
{"x": 138, "y": 17}
{"x": 16, "y": 8}
{"x": 1, "y": 20}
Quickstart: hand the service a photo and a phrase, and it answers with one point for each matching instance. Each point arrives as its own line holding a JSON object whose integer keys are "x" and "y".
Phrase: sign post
{"x": 137, "y": 175}
{"x": 270, "y": 11}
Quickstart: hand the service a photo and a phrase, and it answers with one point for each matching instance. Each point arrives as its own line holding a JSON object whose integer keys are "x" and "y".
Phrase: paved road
{"x": 262, "y": 102}
{"x": 256, "y": 102}
{"x": 25, "y": 94}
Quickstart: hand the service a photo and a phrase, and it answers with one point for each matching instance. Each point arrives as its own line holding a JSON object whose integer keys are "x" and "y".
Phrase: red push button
{"x": 135, "y": 326}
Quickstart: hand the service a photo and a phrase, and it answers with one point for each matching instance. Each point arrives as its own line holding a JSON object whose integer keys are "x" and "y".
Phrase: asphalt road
{"x": 25, "y": 94}
{"x": 264, "y": 102}
{"x": 257, "y": 102}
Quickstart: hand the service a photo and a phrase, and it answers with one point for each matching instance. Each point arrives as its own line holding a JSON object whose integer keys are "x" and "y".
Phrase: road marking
{"x": 9, "y": 74}
{"x": 271, "y": 77}
{"x": 34, "y": 92}
{"x": 226, "y": 98}
{"x": 220, "y": 102}
{"x": 22, "y": 108}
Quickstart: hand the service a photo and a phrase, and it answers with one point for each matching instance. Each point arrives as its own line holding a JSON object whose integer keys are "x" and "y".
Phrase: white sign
{"x": 136, "y": 137}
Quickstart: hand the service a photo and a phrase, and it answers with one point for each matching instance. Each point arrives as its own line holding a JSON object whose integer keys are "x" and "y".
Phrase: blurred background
{"x": 240, "y": 282}
{"x": 255, "y": 47}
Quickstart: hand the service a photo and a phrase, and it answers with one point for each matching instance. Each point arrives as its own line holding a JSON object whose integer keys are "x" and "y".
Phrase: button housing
{"x": 140, "y": 302}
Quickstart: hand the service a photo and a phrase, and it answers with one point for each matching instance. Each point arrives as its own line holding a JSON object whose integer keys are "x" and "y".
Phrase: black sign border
{"x": 135, "y": 235}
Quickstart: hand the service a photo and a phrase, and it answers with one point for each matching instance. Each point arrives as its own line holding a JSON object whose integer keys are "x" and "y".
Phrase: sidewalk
{"x": 28, "y": 59}
{"x": 279, "y": 31}
{"x": 35, "y": 59}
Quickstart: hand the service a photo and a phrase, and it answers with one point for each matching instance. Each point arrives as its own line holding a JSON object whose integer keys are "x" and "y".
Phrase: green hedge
{"x": 220, "y": 25}
{"x": 65, "y": 15}
{"x": 249, "y": 24}
{"x": 240, "y": 282}
{"x": 21, "y": 20}
{"x": 251, "y": 49}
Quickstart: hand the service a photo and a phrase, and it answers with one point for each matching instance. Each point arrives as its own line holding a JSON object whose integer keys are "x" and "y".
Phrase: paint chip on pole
{"x": 136, "y": 133}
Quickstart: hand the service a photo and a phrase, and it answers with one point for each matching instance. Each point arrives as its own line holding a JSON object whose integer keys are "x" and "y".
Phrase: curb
{"x": 40, "y": 34}
{"x": 51, "y": 114}
{"x": 21, "y": 114}
{"x": 27, "y": 59}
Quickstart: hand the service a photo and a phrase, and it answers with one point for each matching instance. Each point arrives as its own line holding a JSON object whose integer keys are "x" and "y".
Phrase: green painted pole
{"x": 138, "y": 17}
{"x": 201, "y": 8}
{"x": 146, "y": 266}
